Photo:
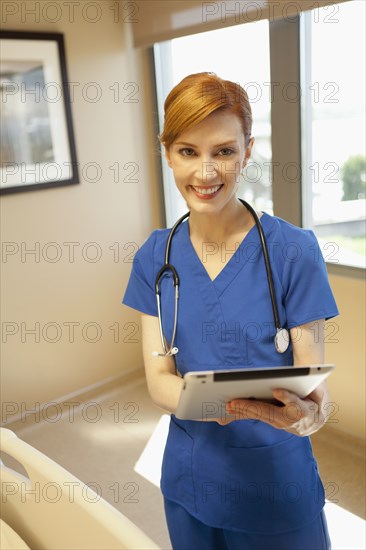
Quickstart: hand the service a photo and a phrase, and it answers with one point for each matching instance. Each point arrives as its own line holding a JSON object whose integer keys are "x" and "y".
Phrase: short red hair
{"x": 196, "y": 97}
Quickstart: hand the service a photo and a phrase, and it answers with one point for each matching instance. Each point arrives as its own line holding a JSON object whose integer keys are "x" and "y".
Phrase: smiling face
{"x": 207, "y": 160}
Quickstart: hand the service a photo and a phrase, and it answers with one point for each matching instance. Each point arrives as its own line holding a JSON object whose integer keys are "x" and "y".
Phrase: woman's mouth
{"x": 206, "y": 192}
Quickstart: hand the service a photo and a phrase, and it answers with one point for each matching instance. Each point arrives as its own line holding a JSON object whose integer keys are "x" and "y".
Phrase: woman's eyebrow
{"x": 231, "y": 141}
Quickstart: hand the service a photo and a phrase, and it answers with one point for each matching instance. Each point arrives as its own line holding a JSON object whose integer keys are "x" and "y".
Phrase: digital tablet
{"x": 205, "y": 393}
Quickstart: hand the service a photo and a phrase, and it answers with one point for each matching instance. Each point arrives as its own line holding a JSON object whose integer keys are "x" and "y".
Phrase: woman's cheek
{"x": 230, "y": 171}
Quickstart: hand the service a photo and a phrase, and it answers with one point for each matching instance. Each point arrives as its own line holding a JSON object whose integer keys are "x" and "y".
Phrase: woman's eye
{"x": 189, "y": 152}
{"x": 186, "y": 152}
{"x": 226, "y": 152}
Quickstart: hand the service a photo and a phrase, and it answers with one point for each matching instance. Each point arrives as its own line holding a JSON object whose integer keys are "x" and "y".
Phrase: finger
{"x": 286, "y": 396}
{"x": 295, "y": 408}
{"x": 280, "y": 417}
{"x": 257, "y": 410}
{"x": 245, "y": 409}
{"x": 224, "y": 421}
{"x": 317, "y": 394}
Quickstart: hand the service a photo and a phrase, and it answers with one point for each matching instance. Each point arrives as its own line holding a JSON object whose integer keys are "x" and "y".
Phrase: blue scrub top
{"x": 247, "y": 475}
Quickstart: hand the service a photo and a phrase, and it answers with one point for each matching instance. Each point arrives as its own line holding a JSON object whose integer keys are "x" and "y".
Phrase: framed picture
{"x": 37, "y": 140}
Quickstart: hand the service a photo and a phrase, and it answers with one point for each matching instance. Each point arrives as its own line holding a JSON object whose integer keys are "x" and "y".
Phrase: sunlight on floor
{"x": 149, "y": 463}
{"x": 347, "y": 530}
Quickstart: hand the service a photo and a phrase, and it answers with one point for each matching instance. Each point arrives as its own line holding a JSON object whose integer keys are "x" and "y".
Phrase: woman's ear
{"x": 248, "y": 151}
{"x": 167, "y": 156}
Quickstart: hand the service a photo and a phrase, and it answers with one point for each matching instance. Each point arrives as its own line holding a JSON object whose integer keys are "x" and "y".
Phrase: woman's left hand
{"x": 298, "y": 416}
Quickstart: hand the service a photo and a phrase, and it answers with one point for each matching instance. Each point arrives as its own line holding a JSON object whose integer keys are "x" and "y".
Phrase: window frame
{"x": 289, "y": 144}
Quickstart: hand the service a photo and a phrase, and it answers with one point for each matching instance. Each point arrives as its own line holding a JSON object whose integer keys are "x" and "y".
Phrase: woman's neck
{"x": 232, "y": 220}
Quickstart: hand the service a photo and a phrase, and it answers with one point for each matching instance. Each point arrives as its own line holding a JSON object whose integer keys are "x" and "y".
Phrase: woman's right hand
{"x": 223, "y": 420}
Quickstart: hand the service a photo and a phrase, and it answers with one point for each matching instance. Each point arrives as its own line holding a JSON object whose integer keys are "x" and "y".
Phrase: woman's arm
{"x": 163, "y": 384}
{"x": 308, "y": 344}
{"x": 299, "y": 416}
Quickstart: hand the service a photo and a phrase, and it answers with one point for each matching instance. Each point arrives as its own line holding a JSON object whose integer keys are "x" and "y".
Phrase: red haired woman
{"x": 249, "y": 480}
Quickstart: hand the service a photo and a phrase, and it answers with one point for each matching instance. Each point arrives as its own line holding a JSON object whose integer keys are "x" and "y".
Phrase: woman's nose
{"x": 209, "y": 171}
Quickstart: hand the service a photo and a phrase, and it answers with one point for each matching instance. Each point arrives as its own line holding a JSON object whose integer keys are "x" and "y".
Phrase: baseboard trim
{"x": 77, "y": 398}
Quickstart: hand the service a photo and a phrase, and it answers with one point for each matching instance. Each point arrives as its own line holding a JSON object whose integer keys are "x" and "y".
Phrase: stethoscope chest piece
{"x": 282, "y": 340}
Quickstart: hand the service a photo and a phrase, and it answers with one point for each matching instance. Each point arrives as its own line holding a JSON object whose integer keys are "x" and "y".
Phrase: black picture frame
{"x": 38, "y": 145}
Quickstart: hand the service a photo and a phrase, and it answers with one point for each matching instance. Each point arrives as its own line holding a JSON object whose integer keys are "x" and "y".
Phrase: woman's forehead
{"x": 217, "y": 128}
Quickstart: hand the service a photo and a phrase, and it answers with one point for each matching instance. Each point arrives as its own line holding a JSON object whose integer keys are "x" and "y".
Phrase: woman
{"x": 247, "y": 480}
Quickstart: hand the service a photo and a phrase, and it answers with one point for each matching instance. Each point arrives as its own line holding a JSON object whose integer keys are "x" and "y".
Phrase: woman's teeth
{"x": 207, "y": 190}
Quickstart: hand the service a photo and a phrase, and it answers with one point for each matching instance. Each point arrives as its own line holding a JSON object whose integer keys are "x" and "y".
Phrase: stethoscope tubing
{"x": 267, "y": 263}
{"x": 281, "y": 334}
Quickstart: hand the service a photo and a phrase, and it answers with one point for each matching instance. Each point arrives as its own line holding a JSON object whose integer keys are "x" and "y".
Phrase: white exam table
{"x": 56, "y": 515}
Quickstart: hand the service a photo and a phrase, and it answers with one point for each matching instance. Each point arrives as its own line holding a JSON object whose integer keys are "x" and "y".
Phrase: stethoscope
{"x": 282, "y": 337}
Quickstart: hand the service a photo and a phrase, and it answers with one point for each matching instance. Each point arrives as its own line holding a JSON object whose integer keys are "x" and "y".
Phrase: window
{"x": 229, "y": 53}
{"x": 332, "y": 85}
{"x": 333, "y": 122}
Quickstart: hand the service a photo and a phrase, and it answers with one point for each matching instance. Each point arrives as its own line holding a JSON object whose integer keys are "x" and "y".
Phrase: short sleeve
{"x": 307, "y": 292}
{"x": 140, "y": 292}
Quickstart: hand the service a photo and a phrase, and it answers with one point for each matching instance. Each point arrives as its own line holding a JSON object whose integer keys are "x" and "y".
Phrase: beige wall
{"x": 104, "y": 212}
{"x": 345, "y": 346}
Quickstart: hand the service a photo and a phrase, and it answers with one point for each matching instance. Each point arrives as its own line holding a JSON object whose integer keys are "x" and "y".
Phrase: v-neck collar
{"x": 235, "y": 263}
